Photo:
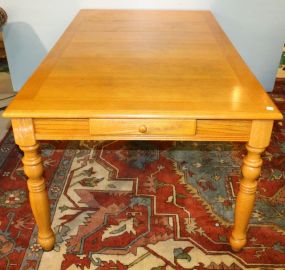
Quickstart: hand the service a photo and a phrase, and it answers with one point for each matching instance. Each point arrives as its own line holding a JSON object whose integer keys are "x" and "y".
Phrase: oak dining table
{"x": 143, "y": 75}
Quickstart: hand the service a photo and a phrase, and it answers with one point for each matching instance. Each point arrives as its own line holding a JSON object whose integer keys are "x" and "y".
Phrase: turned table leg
{"x": 259, "y": 140}
{"x": 24, "y": 137}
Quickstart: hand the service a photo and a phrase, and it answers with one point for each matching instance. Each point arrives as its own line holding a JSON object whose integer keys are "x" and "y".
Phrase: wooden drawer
{"x": 142, "y": 127}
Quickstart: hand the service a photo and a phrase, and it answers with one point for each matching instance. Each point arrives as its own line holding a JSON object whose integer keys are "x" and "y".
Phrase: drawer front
{"x": 142, "y": 127}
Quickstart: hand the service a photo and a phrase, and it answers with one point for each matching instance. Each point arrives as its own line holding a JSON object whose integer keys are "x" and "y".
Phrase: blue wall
{"x": 146, "y": 4}
{"x": 257, "y": 29}
{"x": 32, "y": 29}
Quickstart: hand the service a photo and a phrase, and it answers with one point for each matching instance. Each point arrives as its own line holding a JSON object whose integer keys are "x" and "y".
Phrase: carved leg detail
{"x": 38, "y": 195}
{"x": 245, "y": 201}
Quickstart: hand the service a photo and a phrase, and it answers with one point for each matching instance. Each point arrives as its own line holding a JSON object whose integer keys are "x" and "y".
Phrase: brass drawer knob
{"x": 142, "y": 129}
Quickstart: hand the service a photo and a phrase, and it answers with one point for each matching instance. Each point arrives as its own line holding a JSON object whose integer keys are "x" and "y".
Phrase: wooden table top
{"x": 143, "y": 64}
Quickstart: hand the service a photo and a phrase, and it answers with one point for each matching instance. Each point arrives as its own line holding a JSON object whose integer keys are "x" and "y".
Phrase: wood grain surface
{"x": 143, "y": 64}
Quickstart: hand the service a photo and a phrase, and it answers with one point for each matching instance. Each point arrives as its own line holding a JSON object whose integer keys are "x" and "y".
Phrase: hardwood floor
{"x": 279, "y": 87}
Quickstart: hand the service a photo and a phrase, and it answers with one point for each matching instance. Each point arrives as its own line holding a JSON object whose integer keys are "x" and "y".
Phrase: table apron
{"x": 159, "y": 129}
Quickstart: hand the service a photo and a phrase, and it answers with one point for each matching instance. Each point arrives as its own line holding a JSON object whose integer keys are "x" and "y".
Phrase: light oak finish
{"x": 25, "y": 138}
{"x": 79, "y": 129}
{"x": 251, "y": 170}
{"x": 143, "y": 75}
{"x": 142, "y": 127}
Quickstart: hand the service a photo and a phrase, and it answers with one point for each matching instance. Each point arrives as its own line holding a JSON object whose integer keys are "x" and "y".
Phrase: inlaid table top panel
{"x": 143, "y": 64}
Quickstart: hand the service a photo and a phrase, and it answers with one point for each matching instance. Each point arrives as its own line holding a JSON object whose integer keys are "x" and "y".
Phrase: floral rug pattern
{"x": 142, "y": 205}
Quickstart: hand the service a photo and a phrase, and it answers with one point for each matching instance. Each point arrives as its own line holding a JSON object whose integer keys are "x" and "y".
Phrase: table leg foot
{"x": 47, "y": 243}
{"x": 237, "y": 244}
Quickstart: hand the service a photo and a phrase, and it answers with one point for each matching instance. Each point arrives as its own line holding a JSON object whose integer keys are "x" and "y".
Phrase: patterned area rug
{"x": 143, "y": 205}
